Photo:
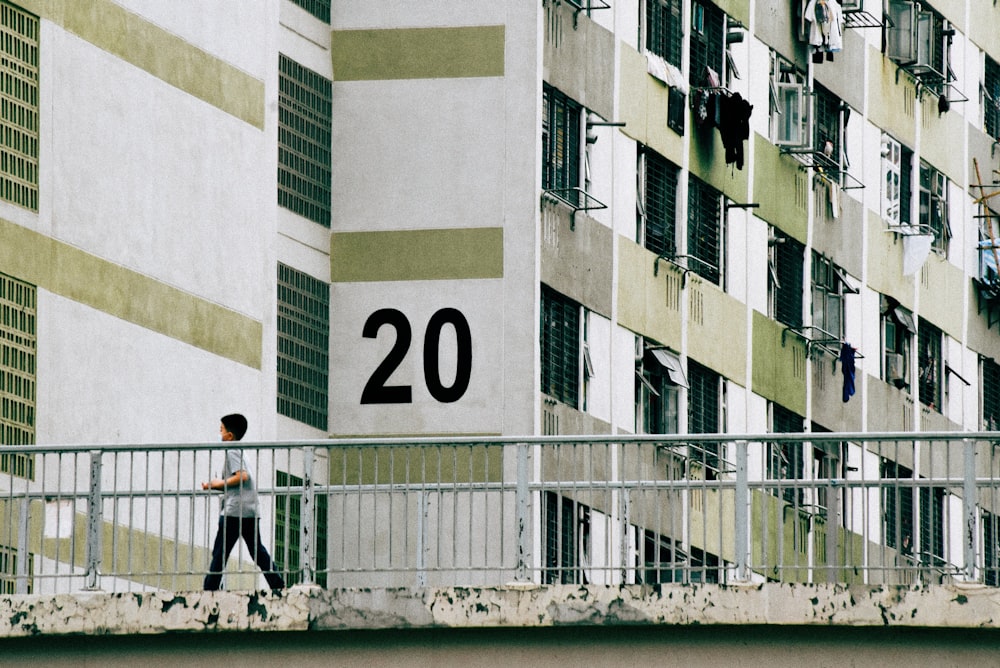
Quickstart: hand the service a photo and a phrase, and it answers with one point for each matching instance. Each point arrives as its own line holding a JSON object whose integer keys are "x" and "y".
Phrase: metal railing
{"x": 853, "y": 508}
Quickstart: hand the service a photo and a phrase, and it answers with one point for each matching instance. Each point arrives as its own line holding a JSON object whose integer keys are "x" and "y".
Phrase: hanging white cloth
{"x": 826, "y": 24}
{"x": 665, "y": 72}
{"x": 833, "y": 194}
{"x": 916, "y": 248}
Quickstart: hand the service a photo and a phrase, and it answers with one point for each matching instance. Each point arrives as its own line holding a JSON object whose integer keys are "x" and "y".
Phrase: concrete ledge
{"x": 939, "y": 606}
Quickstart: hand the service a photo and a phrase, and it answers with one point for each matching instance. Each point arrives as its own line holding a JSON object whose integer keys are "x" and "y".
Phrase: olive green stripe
{"x": 166, "y": 56}
{"x": 417, "y": 53}
{"x": 70, "y": 272}
{"x": 415, "y": 255}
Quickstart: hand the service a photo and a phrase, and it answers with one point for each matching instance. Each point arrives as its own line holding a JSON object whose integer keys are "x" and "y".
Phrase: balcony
{"x": 841, "y": 508}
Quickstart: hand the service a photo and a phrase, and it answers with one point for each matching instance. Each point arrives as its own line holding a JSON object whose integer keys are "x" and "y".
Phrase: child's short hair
{"x": 235, "y": 424}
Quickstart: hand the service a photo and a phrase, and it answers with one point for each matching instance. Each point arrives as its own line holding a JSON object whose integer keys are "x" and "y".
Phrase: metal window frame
{"x": 303, "y": 330}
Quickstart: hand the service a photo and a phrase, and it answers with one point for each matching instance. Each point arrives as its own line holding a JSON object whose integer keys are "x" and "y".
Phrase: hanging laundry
{"x": 847, "y": 367}
{"x": 734, "y": 126}
{"x": 826, "y": 28}
{"x": 706, "y": 100}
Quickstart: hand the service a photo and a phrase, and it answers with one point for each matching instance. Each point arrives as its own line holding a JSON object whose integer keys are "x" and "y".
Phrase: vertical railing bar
{"x": 472, "y": 509}
{"x": 21, "y": 565}
{"x": 742, "y": 513}
{"x": 177, "y": 523}
{"x": 522, "y": 510}
{"x": 969, "y": 506}
{"x": 308, "y": 514}
{"x": 94, "y": 512}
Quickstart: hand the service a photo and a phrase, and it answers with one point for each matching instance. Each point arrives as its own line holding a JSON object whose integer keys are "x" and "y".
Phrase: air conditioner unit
{"x": 895, "y": 372}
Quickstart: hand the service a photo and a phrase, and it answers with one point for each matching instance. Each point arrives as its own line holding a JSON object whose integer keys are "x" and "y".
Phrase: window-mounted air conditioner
{"x": 895, "y": 372}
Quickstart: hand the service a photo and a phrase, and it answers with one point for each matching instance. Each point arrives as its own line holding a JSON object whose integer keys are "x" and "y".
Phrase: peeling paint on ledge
{"x": 295, "y": 609}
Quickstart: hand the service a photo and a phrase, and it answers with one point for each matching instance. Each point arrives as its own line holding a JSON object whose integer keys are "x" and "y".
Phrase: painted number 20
{"x": 378, "y": 392}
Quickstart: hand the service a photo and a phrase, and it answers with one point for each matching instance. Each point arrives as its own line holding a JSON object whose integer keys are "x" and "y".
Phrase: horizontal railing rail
{"x": 812, "y": 507}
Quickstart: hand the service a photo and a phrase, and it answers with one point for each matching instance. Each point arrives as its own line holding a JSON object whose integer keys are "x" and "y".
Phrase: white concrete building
{"x": 518, "y": 217}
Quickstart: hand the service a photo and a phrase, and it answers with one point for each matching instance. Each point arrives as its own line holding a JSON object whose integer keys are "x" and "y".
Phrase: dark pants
{"x": 230, "y": 530}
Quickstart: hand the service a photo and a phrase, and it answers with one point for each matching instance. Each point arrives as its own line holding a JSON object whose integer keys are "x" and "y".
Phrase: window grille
{"x": 934, "y": 205}
{"x": 18, "y": 345}
{"x": 897, "y": 505}
{"x": 318, "y": 8}
{"x": 828, "y": 127}
{"x": 560, "y": 346}
{"x": 8, "y": 571}
{"x": 567, "y": 535}
{"x": 560, "y": 143}
{"x": 288, "y": 531}
{"x": 991, "y": 98}
{"x": 828, "y": 288}
{"x": 905, "y": 185}
{"x": 660, "y": 559}
{"x": 786, "y": 279}
{"x": 931, "y": 365}
{"x": 991, "y": 534}
{"x": 664, "y": 29}
{"x": 932, "y": 526}
{"x": 705, "y": 230}
{"x": 990, "y": 371}
{"x": 303, "y": 347}
{"x": 786, "y": 461}
{"x": 304, "y": 141}
{"x": 708, "y": 44}
{"x": 19, "y": 121}
{"x": 705, "y": 411}
{"x": 658, "y": 203}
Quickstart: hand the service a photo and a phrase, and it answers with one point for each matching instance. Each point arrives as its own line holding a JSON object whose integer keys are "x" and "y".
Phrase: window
{"x": 934, "y": 206}
{"x": 785, "y": 461}
{"x": 9, "y": 574}
{"x": 664, "y": 29}
{"x": 660, "y": 559}
{"x": 918, "y": 39}
{"x": 567, "y": 540}
{"x": 303, "y": 347}
{"x": 930, "y": 366}
{"x": 659, "y": 377}
{"x": 897, "y": 507}
{"x": 990, "y": 394}
{"x": 656, "y": 208}
{"x": 784, "y": 285}
{"x": 705, "y": 411}
{"x": 708, "y": 43}
{"x": 897, "y": 333}
{"x": 991, "y": 553}
{"x": 897, "y": 170}
{"x": 706, "y": 231}
{"x": 19, "y": 121}
{"x": 304, "y": 136}
{"x": 831, "y": 116}
{"x": 318, "y": 8}
{"x": 829, "y": 285}
{"x": 560, "y": 346}
{"x": 789, "y": 105}
{"x": 18, "y": 346}
{"x": 560, "y": 144}
{"x": 932, "y": 526}
{"x": 991, "y": 98}
{"x": 288, "y": 532}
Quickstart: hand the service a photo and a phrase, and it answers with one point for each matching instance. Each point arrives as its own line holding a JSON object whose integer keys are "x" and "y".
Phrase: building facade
{"x": 527, "y": 217}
